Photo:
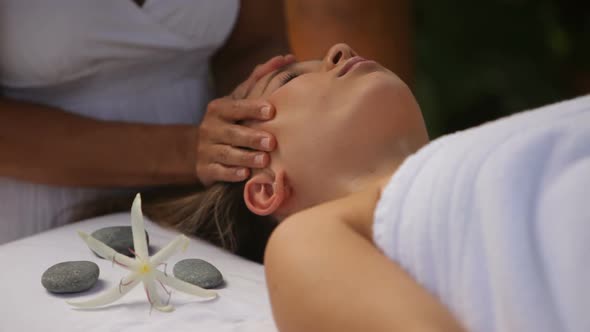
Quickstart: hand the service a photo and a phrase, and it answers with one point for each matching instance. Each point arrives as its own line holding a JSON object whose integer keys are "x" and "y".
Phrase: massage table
{"x": 242, "y": 304}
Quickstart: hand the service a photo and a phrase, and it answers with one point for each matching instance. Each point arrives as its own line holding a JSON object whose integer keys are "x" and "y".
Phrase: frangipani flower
{"x": 143, "y": 267}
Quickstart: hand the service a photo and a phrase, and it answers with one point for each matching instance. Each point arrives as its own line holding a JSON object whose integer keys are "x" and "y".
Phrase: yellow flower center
{"x": 145, "y": 268}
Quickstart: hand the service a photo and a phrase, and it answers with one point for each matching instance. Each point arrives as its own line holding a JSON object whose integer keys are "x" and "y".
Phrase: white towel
{"x": 495, "y": 221}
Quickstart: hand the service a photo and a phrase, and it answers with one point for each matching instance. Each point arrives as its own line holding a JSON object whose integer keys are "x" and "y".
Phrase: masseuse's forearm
{"x": 324, "y": 276}
{"x": 376, "y": 29}
{"x": 46, "y": 145}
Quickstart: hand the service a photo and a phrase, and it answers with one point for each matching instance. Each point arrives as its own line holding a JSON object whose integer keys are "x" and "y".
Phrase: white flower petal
{"x": 107, "y": 252}
{"x": 184, "y": 287}
{"x": 138, "y": 229}
{"x": 109, "y": 296}
{"x": 170, "y": 249}
{"x": 164, "y": 308}
{"x": 144, "y": 267}
{"x": 154, "y": 298}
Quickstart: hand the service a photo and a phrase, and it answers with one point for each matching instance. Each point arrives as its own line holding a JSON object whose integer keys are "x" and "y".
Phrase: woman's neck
{"x": 371, "y": 178}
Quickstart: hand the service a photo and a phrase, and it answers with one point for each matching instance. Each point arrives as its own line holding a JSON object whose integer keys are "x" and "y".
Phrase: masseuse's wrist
{"x": 176, "y": 157}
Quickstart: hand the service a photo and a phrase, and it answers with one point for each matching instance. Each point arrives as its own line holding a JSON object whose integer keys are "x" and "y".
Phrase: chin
{"x": 383, "y": 74}
{"x": 378, "y": 90}
{"x": 381, "y": 84}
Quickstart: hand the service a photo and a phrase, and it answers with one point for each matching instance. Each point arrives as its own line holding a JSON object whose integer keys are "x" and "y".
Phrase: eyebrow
{"x": 273, "y": 75}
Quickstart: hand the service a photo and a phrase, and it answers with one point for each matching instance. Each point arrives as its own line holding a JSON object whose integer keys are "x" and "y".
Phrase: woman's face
{"x": 337, "y": 118}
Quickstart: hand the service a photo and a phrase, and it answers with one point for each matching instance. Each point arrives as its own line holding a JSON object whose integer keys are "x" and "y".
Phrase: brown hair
{"x": 216, "y": 214}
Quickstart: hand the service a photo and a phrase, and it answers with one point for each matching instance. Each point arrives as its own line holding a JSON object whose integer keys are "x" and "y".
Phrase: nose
{"x": 337, "y": 55}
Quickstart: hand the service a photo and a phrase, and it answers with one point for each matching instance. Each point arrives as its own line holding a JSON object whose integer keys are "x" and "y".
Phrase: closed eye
{"x": 288, "y": 77}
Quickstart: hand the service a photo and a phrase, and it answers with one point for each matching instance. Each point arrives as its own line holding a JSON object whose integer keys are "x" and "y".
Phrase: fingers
{"x": 223, "y": 173}
{"x": 260, "y": 71}
{"x": 222, "y": 156}
{"x": 271, "y": 65}
{"x": 244, "y": 137}
{"x": 234, "y": 110}
{"x": 221, "y": 132}
{"x": 234, "y": 157}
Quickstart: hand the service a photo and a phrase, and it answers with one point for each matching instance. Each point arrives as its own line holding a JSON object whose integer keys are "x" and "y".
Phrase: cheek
{"x": 304, "y": 94}
{"x": 306, "y": 110}
{"x": 312, "y": 115}
{"x": 303, "y": 119}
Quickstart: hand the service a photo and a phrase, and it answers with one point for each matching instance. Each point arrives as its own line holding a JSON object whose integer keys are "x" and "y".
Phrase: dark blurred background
{"x": 480, "y": 60}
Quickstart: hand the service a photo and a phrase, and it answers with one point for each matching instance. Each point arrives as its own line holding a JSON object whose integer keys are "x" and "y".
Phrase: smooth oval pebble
{"x": 198, "y": 272}
{"x": 70, "y": 277}
{"x": 119, "y": 238}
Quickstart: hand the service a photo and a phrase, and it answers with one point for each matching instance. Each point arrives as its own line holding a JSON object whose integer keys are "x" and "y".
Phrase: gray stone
{"x": 70, "y": 277}
{"x": 198, "y": 272}
{"x": 119, "y": 238}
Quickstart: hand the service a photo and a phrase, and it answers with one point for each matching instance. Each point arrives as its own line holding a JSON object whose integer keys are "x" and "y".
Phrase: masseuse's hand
{"x": 227, "y": 150}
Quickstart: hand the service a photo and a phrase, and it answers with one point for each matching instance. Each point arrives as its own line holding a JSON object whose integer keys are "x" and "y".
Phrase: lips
{"x": 349, "y": 64}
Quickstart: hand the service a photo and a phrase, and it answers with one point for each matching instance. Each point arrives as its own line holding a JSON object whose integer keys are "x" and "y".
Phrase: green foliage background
{"x": 480, "y": 60}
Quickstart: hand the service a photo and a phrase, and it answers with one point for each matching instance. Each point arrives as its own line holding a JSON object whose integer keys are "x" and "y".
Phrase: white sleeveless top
{"x": 495, "y": 221}
{"x": 107, "y": 59}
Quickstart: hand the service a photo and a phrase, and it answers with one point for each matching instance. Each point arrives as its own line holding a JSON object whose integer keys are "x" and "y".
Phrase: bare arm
{"x": 46, "y": 145}
{"x": 324, "y": 274}
{"x": 376, "y": 29}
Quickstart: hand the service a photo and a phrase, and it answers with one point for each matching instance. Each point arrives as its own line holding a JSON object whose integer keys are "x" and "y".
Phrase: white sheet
{"x": 25, "y": 305}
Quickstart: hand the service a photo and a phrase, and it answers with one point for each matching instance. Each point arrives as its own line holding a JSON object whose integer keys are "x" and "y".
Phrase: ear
{"x": 264, "y": 193}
